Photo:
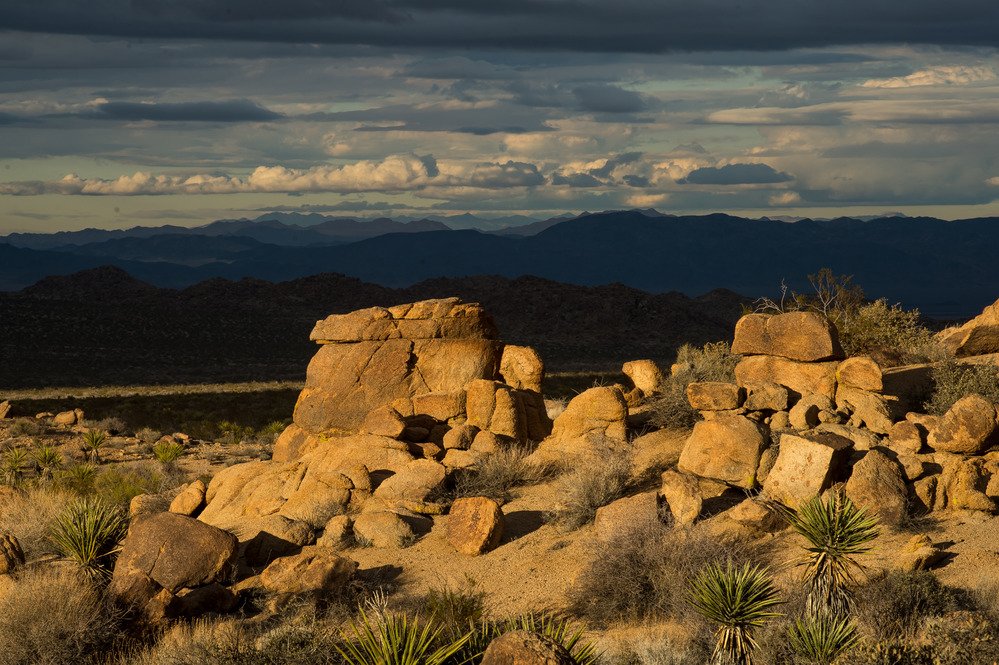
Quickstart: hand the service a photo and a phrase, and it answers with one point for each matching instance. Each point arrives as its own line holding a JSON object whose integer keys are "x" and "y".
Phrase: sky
{"x": 117, "y": 113}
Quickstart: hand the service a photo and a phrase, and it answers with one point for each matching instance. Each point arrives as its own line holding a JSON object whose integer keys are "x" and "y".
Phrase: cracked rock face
{"x": 375, "y": 356}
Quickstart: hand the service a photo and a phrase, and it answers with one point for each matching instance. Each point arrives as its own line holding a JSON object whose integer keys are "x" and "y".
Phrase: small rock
{"x": 190, "y": 500}
{"x": 683, "y": 495}
{"x": 919, "y": 554}
{"x": 383, "y": 529}
{"x": 65, "y": 418}
{"x": 646, "y": 376}
{"x": 714, "y": 396}
{"x": 384, "y": 421}
{"x": 11, "y": 554}
{"x": 521, "y": 647}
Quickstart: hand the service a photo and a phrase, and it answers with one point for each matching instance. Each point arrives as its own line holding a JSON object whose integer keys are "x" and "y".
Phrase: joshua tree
{"x": 836, "y": 531}
{"x": 739, "y": 600}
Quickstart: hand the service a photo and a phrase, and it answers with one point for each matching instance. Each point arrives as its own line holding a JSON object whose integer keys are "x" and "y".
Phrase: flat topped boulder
{"x": 802, "y": 336}
{"x": 373, "y": 357}
{"x": 427, "y": 319}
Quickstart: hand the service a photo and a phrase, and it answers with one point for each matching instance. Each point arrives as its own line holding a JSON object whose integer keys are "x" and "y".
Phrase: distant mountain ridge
{"x": 103, "y": 326}
{"x": 945, "y": 268}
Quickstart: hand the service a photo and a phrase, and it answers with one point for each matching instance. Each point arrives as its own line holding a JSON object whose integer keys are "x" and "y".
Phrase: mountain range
{"x": 944, "y": 268}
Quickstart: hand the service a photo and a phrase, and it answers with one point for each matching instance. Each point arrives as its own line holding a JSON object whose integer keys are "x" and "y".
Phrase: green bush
{"x": 585, "y": 489}
{"x": 712, "y": 362}
{"x": 821, "y": 641}
{"x": 87, "y": 533}
{"x": 398, "y": 640}
{"x": 953, "y": 380}
{"x": 878, "y": 326}
{"x": 167, "y": 453}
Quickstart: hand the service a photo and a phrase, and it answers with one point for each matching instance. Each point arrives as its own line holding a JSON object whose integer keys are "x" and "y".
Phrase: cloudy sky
{"x": 115, "y": 113}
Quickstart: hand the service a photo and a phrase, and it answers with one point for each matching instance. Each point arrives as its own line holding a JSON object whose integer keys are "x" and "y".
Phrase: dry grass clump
{"x": 586, "y": 488}
{"x": 53, "y": 616}
{"x": 644, "y": 574}
{"x": 501, "y": 472}
{"x": 28, "y": 516}
{"x": 896, "y": 605}
{"x": 712, "y": 362}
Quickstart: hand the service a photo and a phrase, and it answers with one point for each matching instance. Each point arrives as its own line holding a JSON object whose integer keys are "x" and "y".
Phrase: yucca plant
{"x": 836, "y": 531}
{"x": 93, "y": 441}
{"x": 398, "y": 640}
{"x": 821, "y": 640}
{"x": 88, "y": 533}
{"x": 81, "y": 477}
{"x": 167, "y": 453}
{"x": 738, "y": 600}
{"x": 48, "y": 458}
{"x": 13, "y": 465}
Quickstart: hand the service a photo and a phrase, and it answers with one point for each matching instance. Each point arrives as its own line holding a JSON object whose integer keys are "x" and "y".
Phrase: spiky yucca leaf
{"x": 48, "y": 457}
{"x": 739, "y": 600}
{"x": 836, "y": 532}
{"x": 81, "y": 476}
{"x": 822, "y": 640}
{"x": 167, "y": 453}
{"x": 13, "y": 465}
{"x": 88, "y": 532}
{"x": 397, "y": 640}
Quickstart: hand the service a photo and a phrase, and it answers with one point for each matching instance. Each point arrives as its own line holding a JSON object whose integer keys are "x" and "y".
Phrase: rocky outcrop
{"x": 970, "y": 427}
{"x": 976, "y": 337}
{"x": 877, "y": 482}
{"x": 317, "y": 574}
{"x": 375, "y": 356}
{"x": 645, "y": 375}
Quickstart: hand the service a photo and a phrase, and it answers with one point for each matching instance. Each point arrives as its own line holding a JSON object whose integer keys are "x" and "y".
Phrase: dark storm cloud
{"x": 614, "y": 162}
{"x": 576, "y": 180}
{"x": 608, "y": 99}
{"x": 735, "y": 174}
{"x": 433, "y": 118}
{"x": 653, "y": 26}
{"x": 239, "y": 110}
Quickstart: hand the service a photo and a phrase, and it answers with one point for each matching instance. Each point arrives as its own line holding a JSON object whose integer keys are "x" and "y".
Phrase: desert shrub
{"x": 739, "y": 600}
{"x": 958, "y": 638}
{"x": 712, "y": 362}
{"x": 644, "y": 574}
{"x": 456, "y": 607}
{"x": 654, "y": 645}
{"x": 54, "y": 617}
{"x": 148, "y": 435}
{"x": 48, "y": 459}
{"x": 895, "y": 605}
{"x": 499, "y": 473}
{"x": 118, "y": 485}
{"x": 28, "y": 516}
{"x": 878, "y": 325}
{"x": 87, "y": 532}
{"x": 111, "y": 425}
{"x": 25, "y": 427}
{"x": 836, "y": 531}
{"x": 586, "y": 488}
{"x": 953, "y": 380}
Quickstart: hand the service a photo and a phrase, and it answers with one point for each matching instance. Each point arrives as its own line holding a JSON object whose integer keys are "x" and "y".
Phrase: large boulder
{"x": 877, "y": 483}
{"x": 522, "y": 368}
{"x": 806, "y": 466}
{"x": 803, "y": 336}
{"x": 970, "y": 427}
{"x": 172, "y": 552}
{"x": 646, "y": 376}
{"x": 522, "y": 647}
{"x": 593, "y": 424}
{"x": 419, "y": 482}
{"x": 964, "y": 485}
{"x": 726, "y": 449}
{"x": 715, "y": 396}
{"x": 682, "y": 494}
{"x": 384, "y": 529}
{"x": 475, "y": 525}
{"x": 860, "y": 372}
{"x": 871, "y": 409}
{"x": 372, "y": 357}
{"x": 976, "y": 337}
{"x": 627, "y": 514}
{"x": 316, "y": 573}
{"x": 799, "y": 378}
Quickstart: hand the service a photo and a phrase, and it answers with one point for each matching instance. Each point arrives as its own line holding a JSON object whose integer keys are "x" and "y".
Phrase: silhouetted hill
{"x": 946, "y": 269}
{"x": 103, "y": 326}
